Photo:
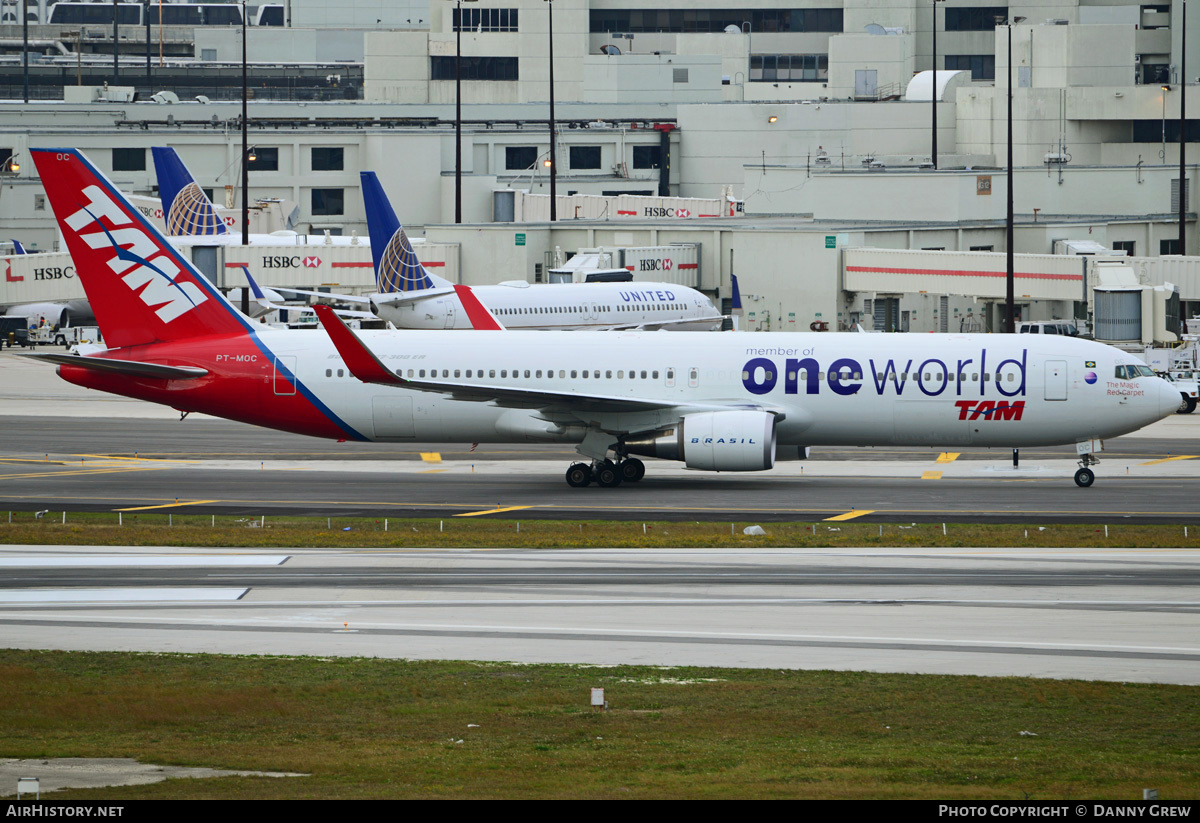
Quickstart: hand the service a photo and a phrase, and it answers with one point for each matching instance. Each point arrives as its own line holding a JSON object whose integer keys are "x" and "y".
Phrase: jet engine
{"x": 728, "y": 441}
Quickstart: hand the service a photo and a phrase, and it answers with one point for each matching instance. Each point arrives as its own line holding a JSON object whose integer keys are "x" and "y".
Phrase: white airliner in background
{"x": 411, "y": 298}
{"x": 716, "y": 402}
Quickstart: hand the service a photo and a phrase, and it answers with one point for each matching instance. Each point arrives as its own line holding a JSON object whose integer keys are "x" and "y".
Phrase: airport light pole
{"x": 25, "y": 43}
{"x": 458, "y": 25}
{"x": 245, "y": 163}
{"x": 553, "y": 152}
{"x": 116, "y": 44}
{"x": 933, "y": 95}
{"x": 1182, "y": 130}
{"x": 1009, "y": 301}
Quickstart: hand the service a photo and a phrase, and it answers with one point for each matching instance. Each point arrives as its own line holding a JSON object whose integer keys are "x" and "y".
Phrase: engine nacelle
{"x": 727, "y": 441}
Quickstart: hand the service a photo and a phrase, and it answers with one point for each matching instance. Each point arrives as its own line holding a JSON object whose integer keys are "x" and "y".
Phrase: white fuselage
{"x": 832, "y": 389}
{"x": 559, "y": 306}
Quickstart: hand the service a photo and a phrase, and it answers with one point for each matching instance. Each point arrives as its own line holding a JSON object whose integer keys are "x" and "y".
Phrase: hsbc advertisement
{"x": 669, "y": 264}
{"x": 30, "y": 278}
{"x": 308, "y": 266}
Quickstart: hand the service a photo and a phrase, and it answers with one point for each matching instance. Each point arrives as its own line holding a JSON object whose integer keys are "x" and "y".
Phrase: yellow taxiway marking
{"x": 850, "y": 515}
{"x": 169, "y": 505}
{"x": 931, "y": 475}
{"x": 433, "y": 471}
{"x": 52, "y": 475}
{"x": 135, "y": 459}
{"x": 41, "y": 460}
{"x": 948, "y": 457}
{"x": 494, "y": 511}
{"x": 431, "y": 457}
{"x": 1169, "y": 459}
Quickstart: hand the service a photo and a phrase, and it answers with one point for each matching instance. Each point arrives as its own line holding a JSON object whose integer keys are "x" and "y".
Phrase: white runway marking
{"x": 35, "y": 561}
{"x": 176, "y": 595}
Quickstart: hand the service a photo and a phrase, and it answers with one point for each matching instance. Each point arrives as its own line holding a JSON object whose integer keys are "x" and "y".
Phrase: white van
{"x": 1048, "y": 327}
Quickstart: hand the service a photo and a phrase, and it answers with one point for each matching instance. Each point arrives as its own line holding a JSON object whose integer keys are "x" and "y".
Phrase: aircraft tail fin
{"x": 18, "y": 248}
{"x": 397, "y": 268}
{"x": 186, "y": 209}
{"x": 139, "y": 286}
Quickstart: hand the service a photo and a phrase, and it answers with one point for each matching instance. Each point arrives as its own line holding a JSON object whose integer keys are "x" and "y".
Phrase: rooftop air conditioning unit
{"x": 1054, "y": 158}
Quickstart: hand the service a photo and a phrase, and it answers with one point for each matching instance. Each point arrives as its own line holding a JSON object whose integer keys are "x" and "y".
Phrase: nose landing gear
{"x": 1085, "y": 476}
{"x": 606, "y": 473}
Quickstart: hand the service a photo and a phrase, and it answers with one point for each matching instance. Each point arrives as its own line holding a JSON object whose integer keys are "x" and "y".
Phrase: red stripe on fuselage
{"x": 479, "y": 316}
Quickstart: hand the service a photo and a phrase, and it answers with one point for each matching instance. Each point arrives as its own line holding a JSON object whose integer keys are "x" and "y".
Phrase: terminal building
{"x": 807, "y": 129}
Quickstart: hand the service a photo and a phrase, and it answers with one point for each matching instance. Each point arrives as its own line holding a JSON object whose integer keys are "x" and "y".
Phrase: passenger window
{"x": 341, "y": 373}
{"x": 456, "y": 373}
{"x": 527, "y": 372}
{"x": 596, "y": 374}
{"x": 492, "y": 373}
{"x": 468, "y": 372}
{"x": 655, "y": 374}
{"x": 974, "y": 376}
{"x": 643, "y": 375}
{"x": 504, "y": 372}
{"x": 421, "y": 373}
{"x": 539, "y": 372}
{"x": 584, "y": 375}
{"x": 574, "y": 374}
{"x": 329, "y": 372}
{"x": 621, "y": 374}
{"x": 791, "y": 375}
{"x": 608, "y": 375}
{"x": 410, "y": 372}
{"x": 562, "y": 373}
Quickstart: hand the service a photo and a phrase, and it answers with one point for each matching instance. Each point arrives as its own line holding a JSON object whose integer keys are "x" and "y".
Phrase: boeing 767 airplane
{"x": 716, "y": 402}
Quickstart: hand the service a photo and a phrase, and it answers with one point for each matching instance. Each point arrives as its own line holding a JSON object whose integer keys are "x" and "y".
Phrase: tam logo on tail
{"x": 132, "y": 250}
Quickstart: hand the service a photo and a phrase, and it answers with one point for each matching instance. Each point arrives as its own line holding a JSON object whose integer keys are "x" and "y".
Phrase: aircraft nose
{"x": 1169, "y": 398}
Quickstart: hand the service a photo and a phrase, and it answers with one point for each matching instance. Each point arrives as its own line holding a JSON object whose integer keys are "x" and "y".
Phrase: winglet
{"x": 477, "y": 313}
{"x": 361, "y": 361}
{"x": 254, "y": 288}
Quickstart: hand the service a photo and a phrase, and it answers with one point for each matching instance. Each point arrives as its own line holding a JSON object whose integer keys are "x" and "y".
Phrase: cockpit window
{"x": 1130, "y": 372}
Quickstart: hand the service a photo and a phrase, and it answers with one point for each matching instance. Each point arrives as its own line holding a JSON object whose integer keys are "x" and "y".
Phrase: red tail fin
{"x": 141, "y": 289}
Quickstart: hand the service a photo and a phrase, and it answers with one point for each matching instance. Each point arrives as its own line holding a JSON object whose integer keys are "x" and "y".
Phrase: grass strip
{"x": 155, "y": 529}
{"x": 369, "y": 728}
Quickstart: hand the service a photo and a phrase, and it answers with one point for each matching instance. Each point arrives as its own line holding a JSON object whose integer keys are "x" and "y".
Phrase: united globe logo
{"x": 192, "y": 214}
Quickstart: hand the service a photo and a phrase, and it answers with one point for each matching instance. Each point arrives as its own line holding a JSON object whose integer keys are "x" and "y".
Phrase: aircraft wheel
{"x": 61, "y": 341}
{"x": 1187, "y": 406}
{"x": 608, "y": 475}
{"x": 1084, "y": 478}
{"x": 579, "y": 475}
{"x": 632, "y": 470}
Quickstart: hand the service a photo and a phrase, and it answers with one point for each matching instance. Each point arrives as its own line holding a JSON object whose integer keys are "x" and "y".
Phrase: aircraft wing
{"x": 346, "y": 298}
{"x": 132, "y": 368}
{"x": 399, "y": 298}
{"x": 628, "y": 413}
{"x": 262, "y": 300}
{"x": 655, "y": 325}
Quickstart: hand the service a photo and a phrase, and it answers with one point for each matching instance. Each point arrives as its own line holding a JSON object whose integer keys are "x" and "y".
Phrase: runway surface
{"x": 66, "y": 448}
{"x": 1127, "y": 615}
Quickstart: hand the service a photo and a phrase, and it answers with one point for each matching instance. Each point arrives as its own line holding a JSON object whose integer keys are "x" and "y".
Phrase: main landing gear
{"x": 1085, "y": 476}
{"x": 606, "y": 472}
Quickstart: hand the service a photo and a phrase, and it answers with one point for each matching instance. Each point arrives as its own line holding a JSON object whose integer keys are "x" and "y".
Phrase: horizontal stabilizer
{"x": 132, "y": 368}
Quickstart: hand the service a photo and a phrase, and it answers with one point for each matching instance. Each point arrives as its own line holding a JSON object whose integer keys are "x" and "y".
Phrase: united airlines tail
{"x": 397, "y": 268}
{"x": 186, "y": 209}
{"x": 141, "y": 288}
